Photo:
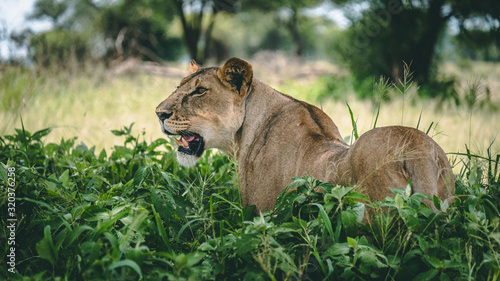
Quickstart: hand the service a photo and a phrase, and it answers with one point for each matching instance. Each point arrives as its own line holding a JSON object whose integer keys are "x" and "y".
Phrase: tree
{"x": 389, "y": 32}
{"x": 51, "y": 9}
{"x": 291, "y": 9}
{"x": 197, "y": 31}
{"x": 138, "y": 28}
{"x": 84, "y": 29}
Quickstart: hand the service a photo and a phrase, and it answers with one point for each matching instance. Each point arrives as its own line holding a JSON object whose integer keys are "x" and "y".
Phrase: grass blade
{"x": 326, "y": 219}
{"x": 429, "y": 129}
{"x": 376, "y": 117}
{"x": 354, "y": 125}
{"x": 110, "y": 222}
{"x": 186, "y": 225}
{"x": 161, "y": 229}
{"x": 419, "y": 118}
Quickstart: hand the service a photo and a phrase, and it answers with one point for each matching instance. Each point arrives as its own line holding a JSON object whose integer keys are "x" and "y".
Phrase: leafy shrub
{"x": 135, "y": 214}
{"x": 59, "y": 48}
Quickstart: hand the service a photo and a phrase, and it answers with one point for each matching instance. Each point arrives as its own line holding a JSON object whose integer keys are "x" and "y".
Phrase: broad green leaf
{"x": 437, "y": 202}
{"x": 75, "y": 233}
{"x": 434, "y": 262}
{"x": 297, "y": 182}
{"x": 338, "y": 249}
{"x": 140, "y": 175}
{"x": 399, "y": 201}
{"x": 129, "y": 263}
{"x": 352, "y": 242}
{"x": 46, "y": 248}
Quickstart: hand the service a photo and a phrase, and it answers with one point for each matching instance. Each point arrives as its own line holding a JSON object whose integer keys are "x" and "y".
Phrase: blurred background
{"x": 85, "y": 67}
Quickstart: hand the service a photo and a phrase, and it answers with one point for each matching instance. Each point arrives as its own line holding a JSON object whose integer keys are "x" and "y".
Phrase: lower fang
{"x": 177, "y": 142}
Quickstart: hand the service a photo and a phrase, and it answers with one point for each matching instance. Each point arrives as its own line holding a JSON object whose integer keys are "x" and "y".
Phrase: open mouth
{"x": 190, "y": 144}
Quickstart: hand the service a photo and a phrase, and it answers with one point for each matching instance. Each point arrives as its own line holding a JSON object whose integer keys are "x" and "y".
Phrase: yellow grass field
{"x": 89, "y": 107}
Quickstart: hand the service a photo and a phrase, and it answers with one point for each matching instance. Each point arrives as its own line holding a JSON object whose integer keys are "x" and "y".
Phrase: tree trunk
{"x": 192, "y": 29}
{"x": 208, "y": 38}
{"x": 424, "y": 51}
{"x": 293, "y": 26}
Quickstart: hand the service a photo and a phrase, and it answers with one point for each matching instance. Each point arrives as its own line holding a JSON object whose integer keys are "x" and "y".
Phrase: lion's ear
{"x": 194, "y": 67}
{"x": 236, "y": 74}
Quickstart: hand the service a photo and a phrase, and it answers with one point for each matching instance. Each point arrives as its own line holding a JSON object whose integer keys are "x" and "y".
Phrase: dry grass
{"x": 89, "y": 107}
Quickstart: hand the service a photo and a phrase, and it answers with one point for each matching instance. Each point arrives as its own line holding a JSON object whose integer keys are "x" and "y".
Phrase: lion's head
{"x": 207, "y": 109}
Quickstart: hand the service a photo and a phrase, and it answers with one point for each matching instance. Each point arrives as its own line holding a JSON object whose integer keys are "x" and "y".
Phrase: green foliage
{"x": 133, "y": 213}
{"x": 59, "y": 48}
{"x": 387, "y": 33}
{"x": 139, "y": 29}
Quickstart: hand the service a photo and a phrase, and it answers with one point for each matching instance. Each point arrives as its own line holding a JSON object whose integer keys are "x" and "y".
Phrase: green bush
{"x": 59, "y": 48}
{"x": 133, "y": 213}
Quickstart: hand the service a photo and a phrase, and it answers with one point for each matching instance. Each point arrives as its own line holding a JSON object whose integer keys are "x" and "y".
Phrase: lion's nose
{"x": 163, "y": 115}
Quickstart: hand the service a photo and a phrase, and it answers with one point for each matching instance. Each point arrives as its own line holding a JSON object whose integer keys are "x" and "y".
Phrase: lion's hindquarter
{"x": 283, "y": 138}
{"x": 388, "y": 157}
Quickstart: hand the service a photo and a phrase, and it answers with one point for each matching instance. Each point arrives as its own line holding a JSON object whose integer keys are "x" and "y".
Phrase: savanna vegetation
{"x": 91, "y": 189}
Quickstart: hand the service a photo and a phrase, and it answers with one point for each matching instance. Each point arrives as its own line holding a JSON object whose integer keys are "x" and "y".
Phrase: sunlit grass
{"x": 89, "y": 106}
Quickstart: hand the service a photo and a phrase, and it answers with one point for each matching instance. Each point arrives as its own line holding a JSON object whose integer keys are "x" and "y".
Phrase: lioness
{"x": 275, "y": 137}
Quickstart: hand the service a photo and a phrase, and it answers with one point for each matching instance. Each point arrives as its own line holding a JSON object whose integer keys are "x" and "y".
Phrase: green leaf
{"x": 369, "y": 262}
{"x": 437, "y": 202}
{"x": 434, "y": 262}
{"x": 45, "y": 247}
{"x": 338, "y": 249}
{"x": 425, "y": 276}
{"x": 246, "y": 243}
{"x": 297, "y": 182}
{"x": 75, "y": 233}
{"x": 64, "y": 177}
{"x": 129, "y": 263}
{"x": 326, "y": 220}
{"x": 90, "y": 251}
{"x": 399, "y": 201}
{"x": 186, "y": 225}
{"x": 253, "y": 276}
{"x": 352, "y": 242}
{"x": 118, "y": 133}
{"x": 110, "y": 222}
{"x": 114, "y": 244}
{"x": 40, "y": 134}
{"x": 348, "y": 218}
{"x": 140, "y": 175}
{"x": 206, "y": 247}
{"x": 3, "y": 173}
{"x": 161, "y": 229}
{"x": 408, "y": 189}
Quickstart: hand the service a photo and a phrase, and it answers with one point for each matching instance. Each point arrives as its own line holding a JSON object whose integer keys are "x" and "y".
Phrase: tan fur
{"x": 275, "y": 137}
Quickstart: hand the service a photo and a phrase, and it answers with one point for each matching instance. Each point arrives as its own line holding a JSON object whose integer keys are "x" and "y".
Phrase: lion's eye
{"x": 198, "y": 92}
